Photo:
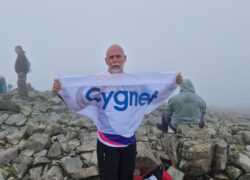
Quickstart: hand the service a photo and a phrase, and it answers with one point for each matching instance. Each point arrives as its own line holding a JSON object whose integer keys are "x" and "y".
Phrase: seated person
{"x": 3, "y": 86}
{"x": 184, "y": 108}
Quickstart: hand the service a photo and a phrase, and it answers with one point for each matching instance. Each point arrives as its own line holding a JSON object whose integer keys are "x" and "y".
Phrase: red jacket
{"x": 165, "y": 176}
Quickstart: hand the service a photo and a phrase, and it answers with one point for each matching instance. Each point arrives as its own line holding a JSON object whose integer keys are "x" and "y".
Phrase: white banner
{"x": 117, "y": 103}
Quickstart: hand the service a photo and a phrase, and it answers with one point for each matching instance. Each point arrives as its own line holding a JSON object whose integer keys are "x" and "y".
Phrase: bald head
{"x": 115, "y": 59}
{"x": 114, "y": 47}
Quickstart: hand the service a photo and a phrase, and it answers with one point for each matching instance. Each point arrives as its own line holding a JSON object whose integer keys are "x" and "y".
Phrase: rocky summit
{"x": 41, "y": 139}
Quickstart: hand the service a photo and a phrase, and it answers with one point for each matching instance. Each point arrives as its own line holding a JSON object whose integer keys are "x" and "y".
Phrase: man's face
{"x": 115, "y": 59}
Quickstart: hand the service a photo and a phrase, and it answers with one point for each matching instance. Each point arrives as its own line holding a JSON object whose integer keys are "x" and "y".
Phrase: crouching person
{"x": 184, "y": 108}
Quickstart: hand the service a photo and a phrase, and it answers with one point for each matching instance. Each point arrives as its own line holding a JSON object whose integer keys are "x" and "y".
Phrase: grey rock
{"x": 55, "y": 101}
{"x": 54, "y": 129}
{"x": 246, "y": 153}
{"x": 28, "y": 152}
{"x": 245, "y": 176}
{"x": 225, "y": 131}
{"x": 9, "y": 106}
{"x": 161, "y": 156}
{"x": 87, "y": 157}
{"x": 211, "y": 130}
{"x": 192, "y": 131}
{"x": 11, "y": 178}
{"x": 54, "y": 117}
{"x": 3, "y": 118}
{"x": 37, "y": 142}
{"x": 61, "y": 138}
{"x": 221, "y": 176}
{"x": 58, "y": 109}
{"x": 55, "y": 172}
{"x": 25, "y": 110}
{"x": 244, "y": 162}
{"x": 144, "y": 150}
{"x": 83, "y": 123}
{"x": 8, "y": 155}
{"x": 246, "y": 135}
{"x": 41, "y": 153}
{"x": 65, "y": 147}
{"x": 170, "y": 144}
{"x": 197, "y": 155}
{"x": 35, "y": 173}
{"x": 248, "y": 148}
{"x": 20, "y": 170}
{"x": 175, "y": 173}
{"x": 30, "y": 129}
{"x": 93, "y": 159}
{"x": 2, "y": 177}
{"x": 154, "y": 133}
{"x": 85, "y": 147}
{"x": 3, "y": 135}
{"x": 11, "y": 129}
{"x": 142, "y": 134}
{"x": 41, "y": 106}
{"x": 73, "y": 144}
{"x": 39, "y": 117}
{"x": 55, "y": 150}
{"x": 16, "y": 120}
{"x": 71, "y": 135}
{"x": 23, "y": 159}
{"x": 41, "y": 160}
{"x": 71, "y": 165}
{"x": 233, "y": 172}
{"x": 220, "y": 156}
{"x": 14, "y": 138}
{"x": 85, "y": 173}
{"x": 3, "y": 174}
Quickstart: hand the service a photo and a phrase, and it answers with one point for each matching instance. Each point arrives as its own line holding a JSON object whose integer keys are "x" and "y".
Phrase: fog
{"x": 208, "y": 41}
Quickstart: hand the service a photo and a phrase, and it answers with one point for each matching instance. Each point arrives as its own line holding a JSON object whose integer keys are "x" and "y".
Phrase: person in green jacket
{"x": 184, "y": 108}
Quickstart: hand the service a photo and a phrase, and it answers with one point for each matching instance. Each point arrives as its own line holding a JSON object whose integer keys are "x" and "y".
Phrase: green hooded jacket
{"x": 186, "y": 107}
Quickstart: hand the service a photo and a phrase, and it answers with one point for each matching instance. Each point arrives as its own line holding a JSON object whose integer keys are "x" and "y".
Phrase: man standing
{"x": 184, "y": 108}
{"x": 116, "y": 145}
{"x": 22, "y": 67}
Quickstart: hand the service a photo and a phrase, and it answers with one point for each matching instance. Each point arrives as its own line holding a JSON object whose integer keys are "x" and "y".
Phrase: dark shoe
{"x": 200, "y": 178}
{"x": 161, "y": 128}
{"x": 202, "y": 123}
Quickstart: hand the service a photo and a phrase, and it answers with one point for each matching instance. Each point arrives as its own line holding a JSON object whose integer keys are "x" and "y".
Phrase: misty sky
{"x": 207, "y": 40}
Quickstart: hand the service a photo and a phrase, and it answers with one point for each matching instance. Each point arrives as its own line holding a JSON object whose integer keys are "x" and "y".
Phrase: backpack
{"x": 156, "y": 174}
{"x": 28, "y": 64}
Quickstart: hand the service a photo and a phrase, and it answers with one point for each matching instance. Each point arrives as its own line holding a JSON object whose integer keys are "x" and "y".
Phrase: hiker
{"x": 116, "y": 118}
{"x": 22, "y": 67}
{"x": 184, "y": 108}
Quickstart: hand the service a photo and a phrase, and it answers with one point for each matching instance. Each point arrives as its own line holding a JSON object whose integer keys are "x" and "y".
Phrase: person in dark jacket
{"x": 184, "y": 108}
{"x": 22, "y": 68}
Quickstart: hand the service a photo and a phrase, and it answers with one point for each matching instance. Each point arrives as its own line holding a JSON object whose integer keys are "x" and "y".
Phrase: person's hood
{"x": 187, "y": 85}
